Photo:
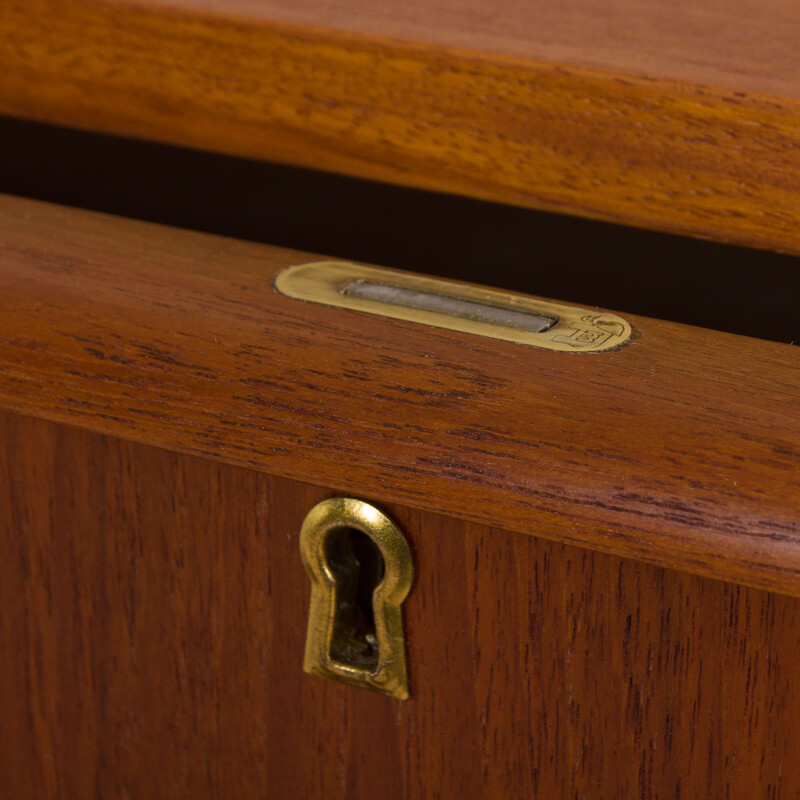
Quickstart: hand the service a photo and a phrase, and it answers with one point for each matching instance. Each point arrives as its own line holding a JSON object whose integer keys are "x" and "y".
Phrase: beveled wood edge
{"x": 680, "y": 449}
{"x": 540, "y": 135}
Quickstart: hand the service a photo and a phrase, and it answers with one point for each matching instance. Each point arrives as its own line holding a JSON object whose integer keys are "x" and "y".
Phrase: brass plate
{"x": 454, "y": 306}
{"x": 332, "y": 590}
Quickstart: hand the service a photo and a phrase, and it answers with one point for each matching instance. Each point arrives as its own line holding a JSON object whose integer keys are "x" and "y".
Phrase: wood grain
{"x": 680, "y": 449}
{"x": 736, "y": 43}
{"x": 152, "y": 619}
{"x": 682, "y": 118}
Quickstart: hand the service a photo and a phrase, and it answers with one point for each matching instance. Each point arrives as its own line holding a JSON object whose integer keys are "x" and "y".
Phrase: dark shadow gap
{"x": 712, "y": 285}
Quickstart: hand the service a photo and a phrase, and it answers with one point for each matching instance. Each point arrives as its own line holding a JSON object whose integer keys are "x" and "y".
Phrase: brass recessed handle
{"x": 361, "y": 571}
{"x": 455, "y": 306}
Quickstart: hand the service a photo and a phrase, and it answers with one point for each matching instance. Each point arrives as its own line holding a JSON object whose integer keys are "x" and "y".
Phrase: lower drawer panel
{"x": 153, "y": 609}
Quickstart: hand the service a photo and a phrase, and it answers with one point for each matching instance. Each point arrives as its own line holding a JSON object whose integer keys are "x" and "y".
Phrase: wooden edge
{"x": 680, "y": 449}
{"x": 689, "y": 159}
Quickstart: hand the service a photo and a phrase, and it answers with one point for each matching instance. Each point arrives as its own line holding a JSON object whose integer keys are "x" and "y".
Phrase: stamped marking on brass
{"x": 361, "y": 571}
{"x": 455, "y": 306}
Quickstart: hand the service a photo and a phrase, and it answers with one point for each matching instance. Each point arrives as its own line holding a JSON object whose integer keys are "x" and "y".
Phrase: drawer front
{"x": 153, "y": 611}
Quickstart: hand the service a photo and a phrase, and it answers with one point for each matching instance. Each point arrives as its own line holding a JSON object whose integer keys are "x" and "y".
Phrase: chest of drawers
{"x": 605, "y": 545}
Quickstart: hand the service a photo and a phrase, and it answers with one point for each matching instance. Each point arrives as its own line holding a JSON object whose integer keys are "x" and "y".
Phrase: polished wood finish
{"x": 678, "y": 118}
{"x": 152, "y": 614}
{"x": 702, "y": 42}
{"x": 679, "y": 449}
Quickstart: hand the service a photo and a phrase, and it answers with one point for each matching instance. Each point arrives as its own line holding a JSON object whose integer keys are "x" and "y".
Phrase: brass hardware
{"x": 454, "y": 306}
{"x": 355, "y": 625}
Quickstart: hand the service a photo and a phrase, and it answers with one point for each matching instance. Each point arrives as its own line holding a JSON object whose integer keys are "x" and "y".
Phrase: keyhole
{"x": 357, "y": 566}
{"x": 361, "y": 571}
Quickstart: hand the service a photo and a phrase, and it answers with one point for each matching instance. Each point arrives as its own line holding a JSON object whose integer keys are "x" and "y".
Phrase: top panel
{"x": 678, "y": 117}
{"x": 749, "y": 45}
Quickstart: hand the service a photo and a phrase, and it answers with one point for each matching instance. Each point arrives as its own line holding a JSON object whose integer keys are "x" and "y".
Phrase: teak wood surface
{"x": 679, "y": 449}
{"x": 682, "y": 117}
{"x": 153, "y": 612}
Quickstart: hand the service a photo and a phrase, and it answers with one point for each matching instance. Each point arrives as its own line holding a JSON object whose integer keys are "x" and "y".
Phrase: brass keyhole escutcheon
{"x": 361, "y": 571}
